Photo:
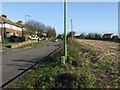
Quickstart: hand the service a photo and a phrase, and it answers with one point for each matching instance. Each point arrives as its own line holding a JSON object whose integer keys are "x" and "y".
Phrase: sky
{"x": 88, "y": 17}
{"x": 46, "y": 13}
{"x": 93, "y": 17}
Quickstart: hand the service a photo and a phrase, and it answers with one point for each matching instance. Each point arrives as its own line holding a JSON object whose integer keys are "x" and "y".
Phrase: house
{"x": 9, "y": 28}
{"x": 107, "y": 36}
{"x": 0, "y": 30}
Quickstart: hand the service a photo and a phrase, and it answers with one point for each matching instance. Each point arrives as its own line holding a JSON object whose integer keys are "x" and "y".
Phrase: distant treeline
{"x": 96, "y": 36}
{"x": 92, "y": 36}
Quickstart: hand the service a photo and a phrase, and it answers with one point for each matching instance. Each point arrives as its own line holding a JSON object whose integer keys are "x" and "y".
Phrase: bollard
{"x": 63, "y": 59}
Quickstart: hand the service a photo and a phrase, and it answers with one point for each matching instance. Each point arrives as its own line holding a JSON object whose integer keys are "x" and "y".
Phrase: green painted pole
{"x": 65, "y": 39}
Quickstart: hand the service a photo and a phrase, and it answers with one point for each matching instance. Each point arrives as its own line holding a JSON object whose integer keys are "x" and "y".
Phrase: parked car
{"x": 34, "y": 37}
{"x": 55, "y": 40}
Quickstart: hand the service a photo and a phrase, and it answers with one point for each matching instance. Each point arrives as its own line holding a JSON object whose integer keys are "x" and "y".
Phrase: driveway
{"x": 17, "y": 61}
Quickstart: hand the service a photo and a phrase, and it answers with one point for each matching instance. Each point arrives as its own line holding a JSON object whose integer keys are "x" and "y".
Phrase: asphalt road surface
{"x": 17, "y": 61}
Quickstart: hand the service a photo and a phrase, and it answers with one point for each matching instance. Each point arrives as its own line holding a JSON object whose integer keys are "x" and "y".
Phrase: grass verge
{"x": 5, "y": 45}
{"x": 81, "y": 70}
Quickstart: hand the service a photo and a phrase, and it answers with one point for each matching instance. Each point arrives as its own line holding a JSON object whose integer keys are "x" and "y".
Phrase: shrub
{"x": 21, "y": 39}
{"x": 14, "y": 39}
{"x": 82, "y": 36}
{"x": 93, "y": 36}
{"x": 97, "y": 36}
{"x": 115, "y": 37}
{"x": 66, "y": 80}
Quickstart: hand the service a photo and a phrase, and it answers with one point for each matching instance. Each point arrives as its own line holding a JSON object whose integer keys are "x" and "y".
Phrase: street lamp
{"x": 26, "y": 16}
{"x": 25, "y": 23}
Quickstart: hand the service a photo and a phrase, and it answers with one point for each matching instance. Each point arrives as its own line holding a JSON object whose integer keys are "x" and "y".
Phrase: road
{"x": 17, "y": 61}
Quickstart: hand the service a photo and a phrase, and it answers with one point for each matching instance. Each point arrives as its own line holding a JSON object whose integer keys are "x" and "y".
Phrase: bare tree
{"x": 35, "y": 27}
{"x": 51, "y": 32}
{"x": 38, "y": 28}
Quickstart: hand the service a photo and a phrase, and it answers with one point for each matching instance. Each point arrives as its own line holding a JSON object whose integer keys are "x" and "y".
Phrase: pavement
{"x": 16, "y": 61}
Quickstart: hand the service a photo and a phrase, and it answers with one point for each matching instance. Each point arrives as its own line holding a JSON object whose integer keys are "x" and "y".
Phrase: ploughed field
{"x": 103, "y": 60}
{"x": 105, "y": 51}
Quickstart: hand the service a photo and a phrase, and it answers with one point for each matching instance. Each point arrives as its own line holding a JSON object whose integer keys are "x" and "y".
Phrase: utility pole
{"x": 65, "y": 39}
{"x": 72, "y": 29}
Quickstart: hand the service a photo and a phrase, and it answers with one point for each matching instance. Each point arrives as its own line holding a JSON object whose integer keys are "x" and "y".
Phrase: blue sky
{"x": 87, "y": 16}
{"x": 47, "y": 13}
{"x": 99, "y": 17}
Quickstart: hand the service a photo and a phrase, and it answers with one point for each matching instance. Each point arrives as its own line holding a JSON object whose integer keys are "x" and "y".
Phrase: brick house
{"x": 9, "y": 28}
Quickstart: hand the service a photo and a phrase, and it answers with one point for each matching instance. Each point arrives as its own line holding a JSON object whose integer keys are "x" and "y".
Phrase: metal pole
{"x": 25, "y": 25}
{"x": 25, "y": 29}
{"x": 65, "y": 41}
{"x": 72, "y": 29}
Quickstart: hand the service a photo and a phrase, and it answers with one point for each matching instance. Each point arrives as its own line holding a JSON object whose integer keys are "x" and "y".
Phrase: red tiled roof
{"x": 6, "y": 20}
{"x": 19, "y": 24}
{"x": 10, "y": 22}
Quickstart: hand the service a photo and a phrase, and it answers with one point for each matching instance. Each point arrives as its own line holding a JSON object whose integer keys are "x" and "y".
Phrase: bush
{"x": 115, "y": 37}
{"x": 97, "y": 36}
{"x": 82, "y": 36}
{"x": 21, "y": 39}
{"x": 66, "y": 80}
{"x": 14, "y": 39}
{"x": 93, "y": 36}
